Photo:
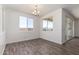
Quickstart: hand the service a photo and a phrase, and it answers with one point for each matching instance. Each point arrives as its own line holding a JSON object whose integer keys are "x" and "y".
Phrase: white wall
{"x": 65, "y": 14}
{"x": 0, "y": 18}
{"x": 13, "y": 32}
{"x": 2, "y": 30}
{"x": 56, "y": 34}
{"x": 77, "y": 28}
{"x": 2, "y": 42}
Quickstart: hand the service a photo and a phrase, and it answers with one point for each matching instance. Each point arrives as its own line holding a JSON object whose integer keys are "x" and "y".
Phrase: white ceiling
{"x": 45, "y": 8}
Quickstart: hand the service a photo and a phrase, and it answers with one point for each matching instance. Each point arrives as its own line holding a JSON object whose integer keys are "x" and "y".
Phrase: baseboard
{"x": 67, "y": 41}
{"x": 20, "y": 41}
{"x": 52, "y": 41}
{"x": 76, "y": 37}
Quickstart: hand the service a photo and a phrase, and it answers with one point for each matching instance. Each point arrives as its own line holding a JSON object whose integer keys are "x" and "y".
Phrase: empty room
{"x": 39, "y": 29}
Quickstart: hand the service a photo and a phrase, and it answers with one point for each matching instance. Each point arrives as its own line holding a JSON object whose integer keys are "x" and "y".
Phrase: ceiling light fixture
{"x": 36, "y": 11}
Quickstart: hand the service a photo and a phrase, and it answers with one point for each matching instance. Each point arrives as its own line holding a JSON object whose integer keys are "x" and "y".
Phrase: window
{"x": 25, "y": 23}
{"x": 47, "y": 25}
{"x": 50, "y": 25}
{"x": 44, "y": 25}
{"x": 30, "y": 24}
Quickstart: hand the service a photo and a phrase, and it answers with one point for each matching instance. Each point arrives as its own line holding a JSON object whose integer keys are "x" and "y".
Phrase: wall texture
{"x": 56, "y": 34}
{"x": 13, "y": 32}
{"x": 65, "y": 14}
{"x": 2, "y": 30}
{"x": 77, "y": 28}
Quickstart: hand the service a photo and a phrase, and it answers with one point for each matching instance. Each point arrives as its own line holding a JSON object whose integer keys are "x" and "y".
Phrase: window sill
{"x": 26, "y": 30}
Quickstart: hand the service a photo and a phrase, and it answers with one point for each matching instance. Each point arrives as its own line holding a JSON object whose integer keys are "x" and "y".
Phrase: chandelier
{"x": 36, "y": 11}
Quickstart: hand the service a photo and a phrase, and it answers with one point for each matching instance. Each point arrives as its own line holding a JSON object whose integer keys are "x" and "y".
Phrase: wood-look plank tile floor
{"x": 42, "y": 47}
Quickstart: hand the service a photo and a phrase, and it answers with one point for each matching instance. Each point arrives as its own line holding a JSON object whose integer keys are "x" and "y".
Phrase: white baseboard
{"x": 52, "y": 41}
{"x": 19, "y": 40}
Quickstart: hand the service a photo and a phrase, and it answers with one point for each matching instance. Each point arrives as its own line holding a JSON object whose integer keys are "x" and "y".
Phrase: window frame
{"x": 26, "y": 29}
{"x": 47, "y": 29}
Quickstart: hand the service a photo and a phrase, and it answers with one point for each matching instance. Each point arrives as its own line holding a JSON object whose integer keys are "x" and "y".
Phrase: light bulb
{"x": 38, "y": 12}
{"x": 34, "y": 10}
{"x": 33, "y": 13}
